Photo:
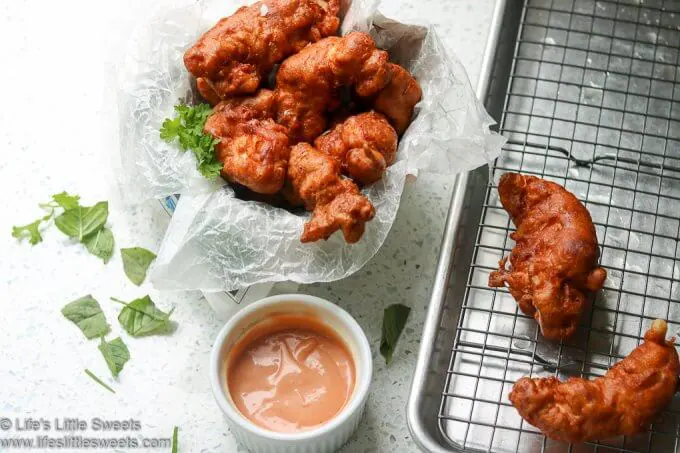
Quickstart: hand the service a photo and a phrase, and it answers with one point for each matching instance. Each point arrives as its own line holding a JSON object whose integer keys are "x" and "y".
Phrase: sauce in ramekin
{"x": 291, "y": 373}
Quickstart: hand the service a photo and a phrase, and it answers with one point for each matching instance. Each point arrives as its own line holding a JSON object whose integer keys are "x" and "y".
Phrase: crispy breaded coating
{"x": 622, "y": 402}
{"x": 236, "y": 110}
{"x": 234, "y": 56}
{"x": 308, "y": 83}
{"x": 553, "y": 266}
{"x": 364, "y": 145}
{"x": 252, "y": 147}
{"x": 397, "y": 100}
{"x": 335, "y": 202}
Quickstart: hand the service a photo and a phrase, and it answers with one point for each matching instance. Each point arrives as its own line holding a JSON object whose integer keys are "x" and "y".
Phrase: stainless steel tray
{"x": 588, "y": 94}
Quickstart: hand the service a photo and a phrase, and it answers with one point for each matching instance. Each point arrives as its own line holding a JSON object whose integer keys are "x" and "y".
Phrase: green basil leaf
{"x": 394, "y": 320}
{"x": 141, "y": 317}
{"x": 80, "y": 222}
{"x": 136, "y": 262}
{"x": 115, "y": 353}
{"x": 88, "y": 316}
{"x": 30, "y": 232}
{"x": 98, "y": 381}
{"x": 100, "y": 244}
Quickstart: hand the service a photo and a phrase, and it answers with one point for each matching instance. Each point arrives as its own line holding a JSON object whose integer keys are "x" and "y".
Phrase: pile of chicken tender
{"x": 326, "y": 127}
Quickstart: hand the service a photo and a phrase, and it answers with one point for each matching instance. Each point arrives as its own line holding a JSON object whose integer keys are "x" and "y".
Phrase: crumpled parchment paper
{"x": 227, "y": 243}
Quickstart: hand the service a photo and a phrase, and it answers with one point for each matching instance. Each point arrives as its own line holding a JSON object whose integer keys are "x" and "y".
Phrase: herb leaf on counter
{"x": 88, "y": 316}
{"x": 175, "y": 445}
{"x": 187, "y": 128}
{"x": 141, "y": 317}
{"x": 394, "y": 320}
{"x": 30, "y": 232}
{"x": 98, "y": 381}
{"x": 115, "y": 353}
{"x": 84, "y": 223}
{"x": 136, "y": 262}
{"x": 100, "y": 244}
{"x": 81, "y": 221}
{"x": 62, "y": 200}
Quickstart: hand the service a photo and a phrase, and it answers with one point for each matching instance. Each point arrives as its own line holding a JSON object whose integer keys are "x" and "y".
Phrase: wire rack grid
{"x": 593, "y": 103}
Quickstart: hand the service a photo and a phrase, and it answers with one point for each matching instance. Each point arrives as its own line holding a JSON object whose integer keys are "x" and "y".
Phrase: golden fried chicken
{"x": 553, "y": 266}
{"x": 235, "y": 55}
{"x": 622, "y": 402}
{"x": 308, "y": 83}
{"x": 240, "y": 109}
{"x": 335, "y": 202}
{"x": 364, "y": 145}
{"x": 397, "y": 100}
{"x": 252, "y": 147}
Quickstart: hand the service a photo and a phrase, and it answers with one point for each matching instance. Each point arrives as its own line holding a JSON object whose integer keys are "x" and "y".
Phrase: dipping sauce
{"x": 290, "y": 373}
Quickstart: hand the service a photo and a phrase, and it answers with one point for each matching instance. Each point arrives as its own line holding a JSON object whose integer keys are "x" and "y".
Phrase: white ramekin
{"x": 324, "y": 439}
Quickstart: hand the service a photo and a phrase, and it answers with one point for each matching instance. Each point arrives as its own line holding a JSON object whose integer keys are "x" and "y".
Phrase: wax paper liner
{"x": 153, "y": 79}
{"x": 230, "y": 243}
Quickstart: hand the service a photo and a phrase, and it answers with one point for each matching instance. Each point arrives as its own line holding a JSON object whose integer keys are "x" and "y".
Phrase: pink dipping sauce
{"x": 291, "y": 373}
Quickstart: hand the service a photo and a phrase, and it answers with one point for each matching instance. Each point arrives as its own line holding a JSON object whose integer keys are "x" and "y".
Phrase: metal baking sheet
{"x": 588, "y": 94}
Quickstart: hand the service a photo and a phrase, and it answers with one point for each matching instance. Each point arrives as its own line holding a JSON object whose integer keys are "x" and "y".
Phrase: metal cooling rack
{"x": 593, "y": 103}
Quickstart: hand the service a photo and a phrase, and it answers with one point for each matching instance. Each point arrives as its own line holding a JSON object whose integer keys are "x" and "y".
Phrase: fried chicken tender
{"x": 398, "y": 99}
{"x": 553, "y": 266}
{"x": 336, "y": 203}
{"x": 364, "y": 145}
{"x": 308, "y": 83}
{"x": 252, "y": 147}
{"x": 622, "y": 402}
{"x": 234, "y": 56}
{"x": 245, "y": 108}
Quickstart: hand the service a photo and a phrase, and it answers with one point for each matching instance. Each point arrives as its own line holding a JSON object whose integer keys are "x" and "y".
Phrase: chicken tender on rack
{"x": 308, "y": 83}
{"x": 364, "y": 145}
{"x": 252, "y": 147}
{"x": 553, "y": 266}
{"x": 398, "y": 99}
{"x": 336, "y": 203}
{"x": 622, "y": 402}
{"x": 234, "y": 56}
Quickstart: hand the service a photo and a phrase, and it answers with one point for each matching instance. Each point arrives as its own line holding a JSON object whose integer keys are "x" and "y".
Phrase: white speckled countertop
{"x": 58, "y": 132}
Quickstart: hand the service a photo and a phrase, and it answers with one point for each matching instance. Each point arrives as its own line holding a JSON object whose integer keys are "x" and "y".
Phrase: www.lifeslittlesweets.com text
{"x": 30, "y": 432}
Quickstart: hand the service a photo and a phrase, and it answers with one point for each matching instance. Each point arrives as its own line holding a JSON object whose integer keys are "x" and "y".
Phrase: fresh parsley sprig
{"x": 187, "y": 129}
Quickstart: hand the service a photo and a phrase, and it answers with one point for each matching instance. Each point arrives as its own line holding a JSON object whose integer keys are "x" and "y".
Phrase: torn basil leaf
{"x": 115, "y": 353}
{"x": 136, "y": 262}
{"x": 81, "y": 221}
{"x": 141, "y": 317}
{"x": 100, "y": 244}
{"x": 87, "y": 314}
{"x": 394, "y": 320}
